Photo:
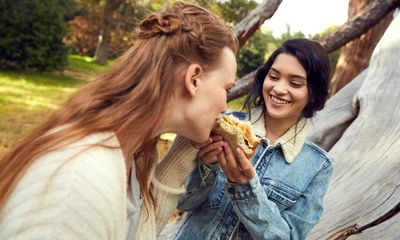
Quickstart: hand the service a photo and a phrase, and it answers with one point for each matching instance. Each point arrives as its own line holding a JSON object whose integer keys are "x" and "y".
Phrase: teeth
{"x": 278, "y": 100}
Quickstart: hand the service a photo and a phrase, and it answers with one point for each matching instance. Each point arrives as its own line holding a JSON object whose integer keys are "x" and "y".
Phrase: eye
{"x": 296, "y": 84}
{"x": 273, "y": 77}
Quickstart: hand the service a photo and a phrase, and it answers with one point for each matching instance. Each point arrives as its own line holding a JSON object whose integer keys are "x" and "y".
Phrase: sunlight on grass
{"x": 27, "y": 100}
{"x": 21, "y": 90}
{"x": 85, "y": 64}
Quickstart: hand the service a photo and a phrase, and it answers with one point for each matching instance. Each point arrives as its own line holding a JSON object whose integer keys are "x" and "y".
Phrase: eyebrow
{"x": 291, "y": 75}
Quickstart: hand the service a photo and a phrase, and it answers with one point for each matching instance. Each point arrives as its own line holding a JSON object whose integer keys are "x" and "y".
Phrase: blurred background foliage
{"x": 36, "y": 34}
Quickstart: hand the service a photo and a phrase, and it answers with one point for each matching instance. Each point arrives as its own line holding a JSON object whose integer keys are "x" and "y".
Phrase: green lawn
{"x": 28, "y": 98}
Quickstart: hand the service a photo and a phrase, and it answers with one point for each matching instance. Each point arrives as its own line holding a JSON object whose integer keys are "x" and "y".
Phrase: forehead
{"x": 228, "y": 64}
{"x": 286, "y": 63}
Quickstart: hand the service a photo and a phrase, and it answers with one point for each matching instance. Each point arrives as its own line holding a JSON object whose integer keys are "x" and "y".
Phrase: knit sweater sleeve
{"x": 168, "y": 183}
{"x": 68, "y": 195}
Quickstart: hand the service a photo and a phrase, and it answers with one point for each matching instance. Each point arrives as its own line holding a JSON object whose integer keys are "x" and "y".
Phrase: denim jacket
{"x": 283, "y": 200}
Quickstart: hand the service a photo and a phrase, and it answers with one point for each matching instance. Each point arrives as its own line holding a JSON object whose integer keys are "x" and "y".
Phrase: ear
{"x": 192, "y": 78}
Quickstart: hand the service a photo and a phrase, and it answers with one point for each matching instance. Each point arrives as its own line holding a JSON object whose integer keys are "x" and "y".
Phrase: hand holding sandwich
{"x": 239, "y": 145}
{"x": 210, "y": 149}
{"x": 236, "y": 166}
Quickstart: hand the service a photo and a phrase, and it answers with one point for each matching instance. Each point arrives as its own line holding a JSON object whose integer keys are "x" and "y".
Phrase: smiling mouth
{"x": 279, "y": 101}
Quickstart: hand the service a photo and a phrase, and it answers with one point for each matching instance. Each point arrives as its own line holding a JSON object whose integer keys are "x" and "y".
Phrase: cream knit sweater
{"x": 80, "y": 192}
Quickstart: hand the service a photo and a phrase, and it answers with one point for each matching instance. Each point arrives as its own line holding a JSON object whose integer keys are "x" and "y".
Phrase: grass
{"x": 84, "y": 64}
{"x": 28, "y": 98}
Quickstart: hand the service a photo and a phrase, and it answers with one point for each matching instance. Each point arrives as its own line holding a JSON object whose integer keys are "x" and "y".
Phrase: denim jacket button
{"x": 231, "y": 190}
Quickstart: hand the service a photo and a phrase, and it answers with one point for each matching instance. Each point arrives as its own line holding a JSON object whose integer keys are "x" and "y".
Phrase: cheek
{"x": 302, "y": 97}
{"x": 220, "y": 99}
{"x": 266, "y": 87}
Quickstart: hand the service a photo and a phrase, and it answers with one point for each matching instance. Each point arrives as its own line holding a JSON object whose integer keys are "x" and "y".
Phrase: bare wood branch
{"x": 249, "y": 25}
{"x": 338, "y": 114}
{"x": 358, "y": 25}
{"x": 242, "y": 86}
{"x": 364, "y": 193}
{"x": 352, "y": 29}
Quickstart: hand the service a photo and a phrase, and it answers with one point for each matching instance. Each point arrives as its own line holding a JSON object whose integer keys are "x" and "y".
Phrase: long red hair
{"x": 131, "y": 96}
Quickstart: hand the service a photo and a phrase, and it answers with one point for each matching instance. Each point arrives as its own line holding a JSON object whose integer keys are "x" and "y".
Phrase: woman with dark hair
{"x": 92, "y": 172}
{"x": 277, "y": 194}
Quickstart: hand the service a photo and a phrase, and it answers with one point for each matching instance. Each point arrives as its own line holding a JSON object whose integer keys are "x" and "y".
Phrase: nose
{"x": 281, "y": 87}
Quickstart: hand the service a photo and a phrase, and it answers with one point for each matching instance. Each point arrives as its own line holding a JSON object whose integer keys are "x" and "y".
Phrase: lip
{"x": 279, "y": 104}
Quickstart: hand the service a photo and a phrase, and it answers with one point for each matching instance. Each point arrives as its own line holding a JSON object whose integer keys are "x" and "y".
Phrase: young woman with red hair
{"x": 92, "y": 172}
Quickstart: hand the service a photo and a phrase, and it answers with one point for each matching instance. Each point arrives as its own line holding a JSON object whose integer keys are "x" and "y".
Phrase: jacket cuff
{"x": 208, "y": 171}
{"x": 238, "y": 191}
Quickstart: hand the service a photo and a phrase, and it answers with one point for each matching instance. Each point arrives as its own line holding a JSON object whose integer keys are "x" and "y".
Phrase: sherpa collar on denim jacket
{"x": 291, "y": 142}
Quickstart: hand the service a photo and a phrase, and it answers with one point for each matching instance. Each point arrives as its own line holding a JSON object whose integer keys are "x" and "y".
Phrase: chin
{"x": 198, "y": 138}
{"x": 201, "y": 139}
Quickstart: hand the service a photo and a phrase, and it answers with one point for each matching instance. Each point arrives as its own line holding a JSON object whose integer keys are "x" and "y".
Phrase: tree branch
{"x": 249, "y": 25}
{"x": 358, "y": 25}
{"x": 352, "y": 29}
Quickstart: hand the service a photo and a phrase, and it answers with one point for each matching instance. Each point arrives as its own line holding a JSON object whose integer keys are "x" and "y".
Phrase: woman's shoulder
{"x": 91, "y": 162}
{"x": 71, "y": 185}
{"x": 319, "y": 152}
{"x": 96, "y": 151}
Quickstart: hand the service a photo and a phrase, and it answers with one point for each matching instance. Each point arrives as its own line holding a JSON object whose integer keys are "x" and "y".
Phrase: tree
{"x": 352, "y": 29}
{"x": 105, "y": 32}
{"x": 359, "y": 128}
{"x": 31, "y": 34}
{"x": 254, "y": 19}
{"x": 354, "y": 56}
{"x": 252, "y": 55}
{"x": 235, "y": 10}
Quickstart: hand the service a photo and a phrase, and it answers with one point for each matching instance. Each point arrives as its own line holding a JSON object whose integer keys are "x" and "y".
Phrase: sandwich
{"x": 237, "y": 133}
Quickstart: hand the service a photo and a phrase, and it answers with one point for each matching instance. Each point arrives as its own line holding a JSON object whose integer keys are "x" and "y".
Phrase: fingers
{"x": 210, "y": 148}
{"x": 244, "y": 164}
{"x": 230, "y": 158}
{"x": 211, "y": 156}
{"x": 237, "y": 168}
{"x": 208, "y": 152}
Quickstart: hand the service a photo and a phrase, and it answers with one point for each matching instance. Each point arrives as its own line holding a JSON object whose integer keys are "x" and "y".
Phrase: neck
{"x": 276, "y": 128}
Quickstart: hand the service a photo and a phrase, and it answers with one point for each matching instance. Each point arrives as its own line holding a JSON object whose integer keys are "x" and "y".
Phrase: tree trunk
{"x": 363, "y": 199}
{"x": 105, "y": 32}
{"x": 355, "y": 55}
{"x": 249, "y": 25}
{"x": 349, "y": 31}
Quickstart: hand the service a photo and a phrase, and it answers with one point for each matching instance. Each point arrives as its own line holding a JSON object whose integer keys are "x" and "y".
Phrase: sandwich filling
{"x": 237, "y": 133}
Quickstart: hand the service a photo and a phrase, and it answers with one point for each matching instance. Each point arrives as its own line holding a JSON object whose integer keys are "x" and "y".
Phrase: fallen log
{"x": 363, "y": 198}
